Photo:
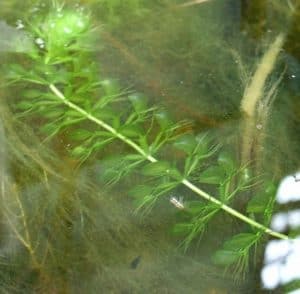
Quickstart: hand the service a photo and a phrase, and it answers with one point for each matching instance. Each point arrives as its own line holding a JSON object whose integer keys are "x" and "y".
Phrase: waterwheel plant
{"x": 61, "y": 88}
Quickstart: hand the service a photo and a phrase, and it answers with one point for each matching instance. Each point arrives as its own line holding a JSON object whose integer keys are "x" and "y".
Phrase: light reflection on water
{"x": 282, "y": 257}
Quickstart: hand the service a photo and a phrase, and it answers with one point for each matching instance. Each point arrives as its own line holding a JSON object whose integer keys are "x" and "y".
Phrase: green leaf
{"x": 24, "y": 105}
{"x": 132, "y": 130}
{"x": 182, "y": 228}
{"x": 225, "y": 257}
{"x": 50, "y": 128}
{"x": 240, "y": 242}
{"x": 146, "y": 196}
{"x": 156, "y": 168}
{"x": 163, "y": 119}
{"x": 116, "y": 167}
{"x": 203, "y": 141}
{"x": 165, "y": 186}
{"x": 106, "y": 113}
{"x": 144, "y": 143}
{"x": 245, "y": 176}
{"x": 236, "y": 248}
{"x": 259, "y": 202}
{"x": 140, "y": 191}
{"x": 81, "y": 134}
{"x": 212, "y": 175}
{"x": 134, "y": 157}
{"x": 270, "y": 188}
{"x": 79, "y": 151}
{"x": 196, "y": 207}
{"x": 62, "y": 76}
{"x": 32, "y": 93}
{"x": 115, "y": 123}
{"x": 52, "y": 113}
{"x": 186, "y": 143}
{"x": 113, "y": 169}
{"x": 139, "y": 102}
{"x": 16, "y": 71}
{"x": 100, "y": 143}
{"x": 110, "y": 87}
{"x": 225, "y": 160}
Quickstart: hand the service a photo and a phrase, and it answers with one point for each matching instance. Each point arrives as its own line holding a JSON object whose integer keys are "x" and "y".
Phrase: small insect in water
{"x": 178, "y": 203}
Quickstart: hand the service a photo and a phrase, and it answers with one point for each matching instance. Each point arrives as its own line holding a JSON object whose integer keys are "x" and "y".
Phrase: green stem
{"x": 149, "y": 157}
{"x": 232, "y": 211}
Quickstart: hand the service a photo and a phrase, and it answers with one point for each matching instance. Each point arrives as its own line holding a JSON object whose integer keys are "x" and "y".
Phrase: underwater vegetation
{"x": 92, "y": 120}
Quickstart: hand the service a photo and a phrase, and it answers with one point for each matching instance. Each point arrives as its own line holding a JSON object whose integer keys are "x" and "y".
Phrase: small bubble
{"x": 259, "y": 126}
{"x": 293, "y": 76}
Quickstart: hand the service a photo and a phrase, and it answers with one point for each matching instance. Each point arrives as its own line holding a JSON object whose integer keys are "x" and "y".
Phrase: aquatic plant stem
{"x": 26, "y": 239}
{"x": 254, "y": 94}
{"x": 101, "y": 123}
{"x": 232, "y": 211}
{"x": 150, "y": 158}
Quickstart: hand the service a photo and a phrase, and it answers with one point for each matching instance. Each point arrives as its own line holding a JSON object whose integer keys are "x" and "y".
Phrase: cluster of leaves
{"x": 81, "y": 103}
{"x": 227, "y": 179}
{"x": 237, "y": 250}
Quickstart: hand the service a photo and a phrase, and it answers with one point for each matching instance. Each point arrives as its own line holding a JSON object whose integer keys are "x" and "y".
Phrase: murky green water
{"x": 63, "y": 231}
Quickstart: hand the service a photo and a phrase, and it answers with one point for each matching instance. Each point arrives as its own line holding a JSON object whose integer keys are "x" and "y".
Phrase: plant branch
{"x": 150, "y": 158}
{"x": 25, "y": 240}
{"x": 254, "y": 93}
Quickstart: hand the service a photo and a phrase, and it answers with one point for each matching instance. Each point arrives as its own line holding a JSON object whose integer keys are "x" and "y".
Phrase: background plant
{"x": 78, "y": 103}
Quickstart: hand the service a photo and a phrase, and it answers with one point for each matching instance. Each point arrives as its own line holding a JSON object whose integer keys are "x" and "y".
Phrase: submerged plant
{"x": 256, "y": 104}
{"x": 115, "y": 12}
{"x": 60, "y": 86}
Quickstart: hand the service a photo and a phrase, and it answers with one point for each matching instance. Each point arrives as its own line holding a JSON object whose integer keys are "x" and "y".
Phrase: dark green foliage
{"x": 237, "y": 250}
{"x": 263, "y": 202}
